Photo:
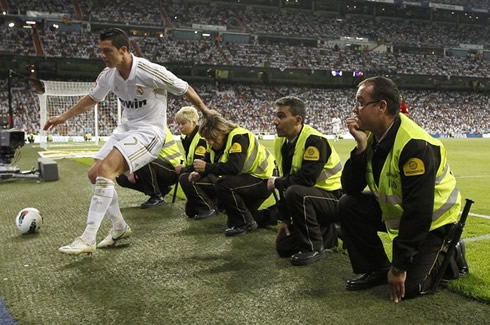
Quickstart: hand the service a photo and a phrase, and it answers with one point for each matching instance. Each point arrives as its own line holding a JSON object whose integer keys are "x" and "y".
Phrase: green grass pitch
{"x": 179, "y": 271}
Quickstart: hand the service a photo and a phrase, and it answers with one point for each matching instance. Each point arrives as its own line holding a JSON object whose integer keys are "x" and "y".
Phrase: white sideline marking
{"x": 67, "y": 154}
{"x": 477, "y": 238}
{"x": 478, "y": 215}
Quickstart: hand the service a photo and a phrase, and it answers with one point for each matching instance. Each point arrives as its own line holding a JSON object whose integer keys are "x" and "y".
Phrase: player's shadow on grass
{"x": 95, "y": 261}
{"x": 116, "y": 247}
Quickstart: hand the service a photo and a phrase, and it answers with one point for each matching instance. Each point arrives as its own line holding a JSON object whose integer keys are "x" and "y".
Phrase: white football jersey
{"x": 143, "y": 95}
{"x": 336, "y": 124}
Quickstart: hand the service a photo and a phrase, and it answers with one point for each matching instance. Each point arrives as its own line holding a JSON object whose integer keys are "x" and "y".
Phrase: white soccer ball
{"x": 29, "y": 220}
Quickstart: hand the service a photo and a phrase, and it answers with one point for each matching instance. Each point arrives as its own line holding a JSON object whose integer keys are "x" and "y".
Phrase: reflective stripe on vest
{"x": 192, "y": 149}
{"x": 170, "y": 151}
{"x": 441, "y": 177}
{"x": 262, "y": 169}
{"x": 253, "y": 155}
{"x": 451, "y": 201}
{"x": 446, "y": 193}
{"x": 327, "y": 173}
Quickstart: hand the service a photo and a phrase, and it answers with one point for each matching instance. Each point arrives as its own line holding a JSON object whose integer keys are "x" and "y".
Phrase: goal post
{"x": 59, "y": 96}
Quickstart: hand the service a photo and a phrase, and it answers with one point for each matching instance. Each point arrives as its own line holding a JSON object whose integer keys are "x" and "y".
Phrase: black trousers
{"x": 201, "y": 195}
{"x": 360, "y": 219}
{"x": 240, "y": 196}
{"x": 313, "y": 212}
{"x": 154, "y": 178}
{"x": 286, "y": 246}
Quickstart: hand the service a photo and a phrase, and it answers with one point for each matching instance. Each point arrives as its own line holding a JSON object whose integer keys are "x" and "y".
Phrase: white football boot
{"x": 77, "y": 247}
{"x": 114, "y": 236}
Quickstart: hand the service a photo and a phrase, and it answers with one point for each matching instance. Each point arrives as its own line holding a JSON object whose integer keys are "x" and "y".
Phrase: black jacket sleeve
{"x": 310, "y": 169}
{"x": 236, "y": 160}
{"x": 418, "y": 201}
{"x": 354, "y": 173}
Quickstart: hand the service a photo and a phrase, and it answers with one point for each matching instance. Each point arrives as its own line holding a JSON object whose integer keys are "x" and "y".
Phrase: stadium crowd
{"x": 167, "y": 49}
{"x": 439, "y": 112}
{"x": 16, "y": 41}
{"x": 260, "y": 21}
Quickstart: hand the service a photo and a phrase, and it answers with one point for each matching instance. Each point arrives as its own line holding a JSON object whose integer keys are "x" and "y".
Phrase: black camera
{"x": 10, "y": 140}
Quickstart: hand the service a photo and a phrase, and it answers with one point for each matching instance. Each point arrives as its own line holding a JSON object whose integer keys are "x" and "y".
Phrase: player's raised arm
{"x": 194, "y": 98}
{"x": 83, "y": 105}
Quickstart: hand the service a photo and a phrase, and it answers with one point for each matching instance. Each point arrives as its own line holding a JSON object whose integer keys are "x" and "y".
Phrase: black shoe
{"x": 461, "y": 259}
{"x": 367, "y": 280}
{"x": 153, "y": 201}
{"x": 205, "y": 215}
{"x": 305, "y": 258}
{"x": 241, "y": 230}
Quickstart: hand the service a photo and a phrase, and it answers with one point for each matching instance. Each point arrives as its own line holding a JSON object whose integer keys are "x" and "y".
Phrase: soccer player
{"x": 142, "y": 88}
{"x": 336, "y": 126}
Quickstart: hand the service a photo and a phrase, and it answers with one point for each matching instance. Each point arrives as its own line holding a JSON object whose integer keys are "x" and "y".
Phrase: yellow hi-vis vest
{"x": 170, "y": 151}
{"x": 447, "y": 199}
{"x": 329, "y": 178}
{"x": 259, "y": 162}
{"x": 194, "y": 149}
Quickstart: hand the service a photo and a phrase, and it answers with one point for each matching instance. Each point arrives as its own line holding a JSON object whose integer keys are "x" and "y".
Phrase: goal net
{"x": 88, "y": 127}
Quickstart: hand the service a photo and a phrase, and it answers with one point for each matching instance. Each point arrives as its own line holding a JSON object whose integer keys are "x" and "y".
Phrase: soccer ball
{"x": 29, "y": 220}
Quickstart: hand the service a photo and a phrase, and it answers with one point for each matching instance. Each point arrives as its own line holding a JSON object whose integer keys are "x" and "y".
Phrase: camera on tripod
{"x": 10, "y": 141}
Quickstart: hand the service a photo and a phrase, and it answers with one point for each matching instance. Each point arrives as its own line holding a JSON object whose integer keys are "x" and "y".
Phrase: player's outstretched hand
{"x": 211, "y": 112}
{"x": 52, "y": 122}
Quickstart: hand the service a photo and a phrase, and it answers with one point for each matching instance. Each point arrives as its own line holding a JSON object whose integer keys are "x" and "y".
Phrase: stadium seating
{"x": 435, "y": 110}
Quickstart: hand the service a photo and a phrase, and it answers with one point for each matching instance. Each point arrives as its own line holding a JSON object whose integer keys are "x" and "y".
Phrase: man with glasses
{"x": 412, "y": 196}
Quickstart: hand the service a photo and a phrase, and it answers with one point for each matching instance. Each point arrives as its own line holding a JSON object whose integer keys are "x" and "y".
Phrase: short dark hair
{"x": 296, "y": 106}
{"x": 117, "y": 36}
{"x": 385, "y": 89}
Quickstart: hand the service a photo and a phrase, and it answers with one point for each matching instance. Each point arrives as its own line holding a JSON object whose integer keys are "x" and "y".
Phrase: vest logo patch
{"x": 200, "y": 151}
{"x": 414, "y": 167}
{"x": 236, "y": 147}
{"x": 311, "y": 153}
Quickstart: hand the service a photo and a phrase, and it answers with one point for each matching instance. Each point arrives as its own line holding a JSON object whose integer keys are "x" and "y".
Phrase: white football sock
{"x": 114, "y": 213}
{"x": 103, "y": 194}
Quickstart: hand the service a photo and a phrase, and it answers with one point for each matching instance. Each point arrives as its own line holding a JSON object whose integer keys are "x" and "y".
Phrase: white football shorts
{"x": 137, "y": 147}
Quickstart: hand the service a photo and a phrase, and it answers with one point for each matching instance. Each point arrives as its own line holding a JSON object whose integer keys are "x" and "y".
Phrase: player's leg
{"x": 121, "y": 153}
{"x": 106, "y": 170}
{"x": 131, "y": 153}
{"x": 120, "y": 229}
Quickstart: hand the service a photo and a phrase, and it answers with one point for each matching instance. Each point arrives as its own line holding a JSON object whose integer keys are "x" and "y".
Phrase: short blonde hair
{"x": 187, "y": 113}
